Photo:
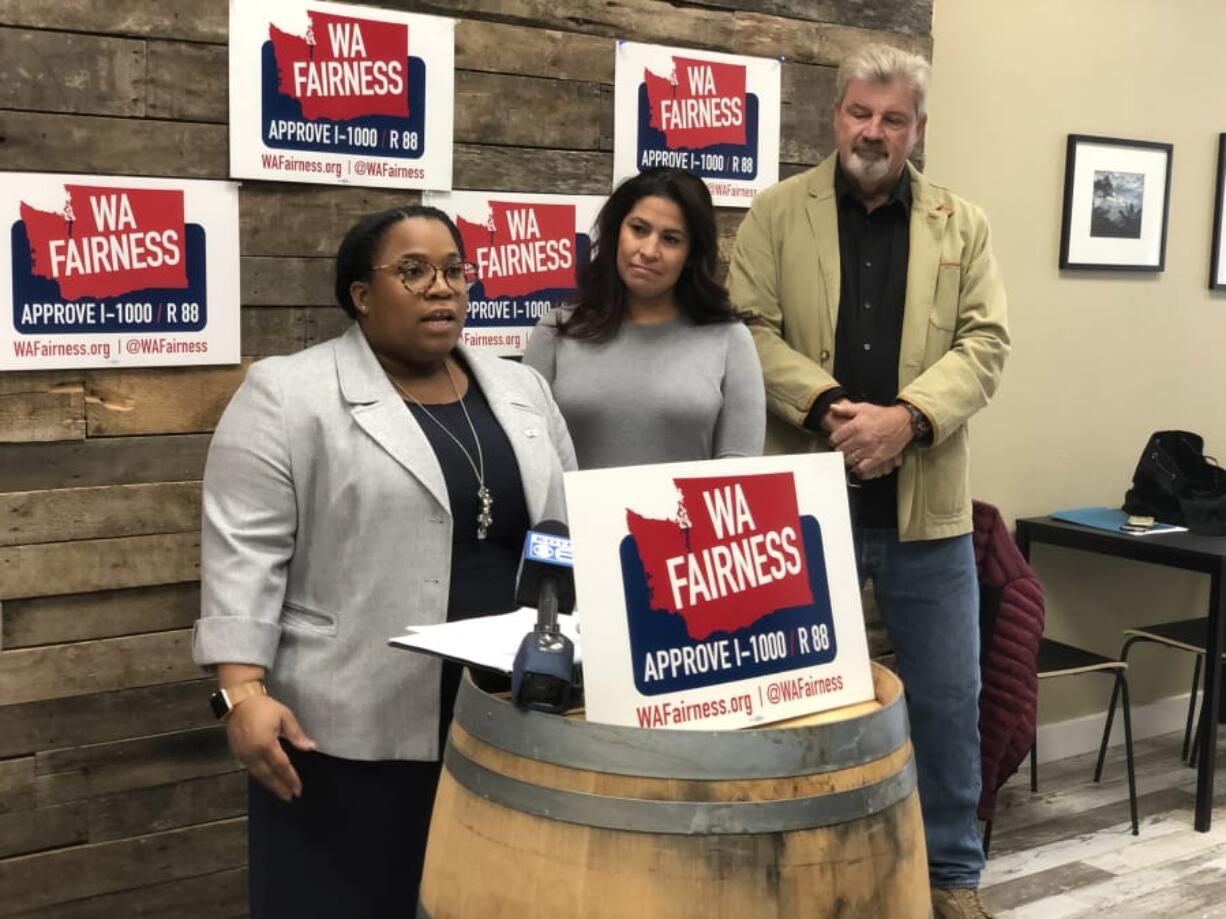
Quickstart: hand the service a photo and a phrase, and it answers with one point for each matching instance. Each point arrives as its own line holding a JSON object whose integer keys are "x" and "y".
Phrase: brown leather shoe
{"x": 957, "y": 903}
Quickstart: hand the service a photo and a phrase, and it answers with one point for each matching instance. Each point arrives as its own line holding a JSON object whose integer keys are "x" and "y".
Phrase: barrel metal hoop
{"x": 673, "y": 754}
{"x": 686, "y": 818}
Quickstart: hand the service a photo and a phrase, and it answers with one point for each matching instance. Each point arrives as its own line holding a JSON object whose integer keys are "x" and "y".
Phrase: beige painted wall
{"x": 1100, "y": 359}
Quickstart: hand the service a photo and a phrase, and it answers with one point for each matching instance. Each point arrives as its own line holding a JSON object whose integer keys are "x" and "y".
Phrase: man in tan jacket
{"x": 879, "y": 316}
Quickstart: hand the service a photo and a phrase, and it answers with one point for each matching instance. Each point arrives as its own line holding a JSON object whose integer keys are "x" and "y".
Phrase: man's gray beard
{"x": 868, "y": 173}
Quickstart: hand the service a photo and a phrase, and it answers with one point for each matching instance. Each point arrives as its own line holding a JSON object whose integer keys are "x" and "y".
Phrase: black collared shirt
{"x": 873, "y": 252}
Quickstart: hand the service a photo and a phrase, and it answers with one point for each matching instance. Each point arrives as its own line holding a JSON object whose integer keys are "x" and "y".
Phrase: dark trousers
{"x": 352, "y": 846}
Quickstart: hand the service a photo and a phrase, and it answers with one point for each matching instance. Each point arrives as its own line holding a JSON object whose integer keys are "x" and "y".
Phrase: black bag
{"x": 1176, "y": 483}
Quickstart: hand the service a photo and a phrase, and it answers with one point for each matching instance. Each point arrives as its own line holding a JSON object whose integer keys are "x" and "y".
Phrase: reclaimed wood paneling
{"x": 810, "y": 42}
{"x": 104, "y": 614}
{"x": 272, "y": 330}
{"x": 910, "y": 17}
{"x": 98, "y": 717}
{"x": 287, "y": 281}
{"x": 172, "y": 400}
{"x": 63, "y": 72}
{"x": 79, "y": 773}
{"x": 17, "y": 785}
{"x": 806, "y": 132}
{"x": 278, "y": 219}
{"x": 549, "y": 113}
{"x": 190, "y": 20}
{"x": 187, "y": 82}
{"x": 27, "y": 831}
{"x": 38, "y": 142}
{"x": 563, "y": 172}
{"x": 325, "y": 324}
{"x": 164, "y": 807}
{"x": 741, "y": 32}
{"x": 639, "y": 20}
{"x": 64, "y": 514}
{"x": 221, "y": 895}
{"x": 41, "y": 407}
{"x": 282, "y": 330}
{"x": 107, "y": 461}
{"x": 59, "y": 671}
{"x": 18, "y": 382}
{"x": 42, "y": 416}
{"x": 42, "y": 880}
{"x": 500, "y": 48}
{"x": 55, "y": 568}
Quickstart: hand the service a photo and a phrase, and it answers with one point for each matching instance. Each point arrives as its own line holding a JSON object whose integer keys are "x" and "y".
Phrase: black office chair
{"x": 1183, "y": 635}
{"x": 1058, "y": 659}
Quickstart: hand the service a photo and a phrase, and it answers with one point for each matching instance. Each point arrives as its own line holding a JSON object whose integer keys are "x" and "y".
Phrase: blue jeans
{"x": 928, "y": 594}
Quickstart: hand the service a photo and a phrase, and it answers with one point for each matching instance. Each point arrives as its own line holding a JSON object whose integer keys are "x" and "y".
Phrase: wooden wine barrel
{"x": 544, "y": 816}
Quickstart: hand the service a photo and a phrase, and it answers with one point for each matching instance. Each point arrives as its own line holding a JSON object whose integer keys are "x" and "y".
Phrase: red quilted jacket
{"x": 1011, "y": 626}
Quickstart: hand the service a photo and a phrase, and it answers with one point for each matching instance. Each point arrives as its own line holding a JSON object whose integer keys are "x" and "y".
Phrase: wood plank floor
{"x": 1068, "y": 851}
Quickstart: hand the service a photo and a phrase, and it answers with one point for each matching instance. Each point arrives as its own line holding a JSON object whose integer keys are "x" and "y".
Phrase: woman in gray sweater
{"x": 652, "y": 364}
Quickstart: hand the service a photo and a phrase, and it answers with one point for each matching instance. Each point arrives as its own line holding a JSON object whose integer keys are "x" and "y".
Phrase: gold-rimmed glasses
{"x": 418, "y": 275}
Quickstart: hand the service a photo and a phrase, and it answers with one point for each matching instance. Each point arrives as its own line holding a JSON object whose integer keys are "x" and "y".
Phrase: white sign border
{"x": 249, "y": 24}
{"x": 211, "y": 203}
{"x": 596, "y": 504}
{"x": 763, "y": 76}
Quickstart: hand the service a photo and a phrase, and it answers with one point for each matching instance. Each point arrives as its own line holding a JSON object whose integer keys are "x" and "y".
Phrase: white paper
{"x": 487, "y": 641}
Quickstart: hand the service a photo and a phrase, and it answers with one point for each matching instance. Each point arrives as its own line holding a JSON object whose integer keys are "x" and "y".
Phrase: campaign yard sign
{"x": 111, "y": 271}
{"x": 716, "y": 115}
{"x": 526, "y": 248}
{"x": 340, "y": 94}
{"x": 717, "y": 594}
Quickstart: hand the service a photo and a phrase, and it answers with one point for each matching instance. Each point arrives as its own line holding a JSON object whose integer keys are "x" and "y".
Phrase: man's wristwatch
{"x": 224, "y": 701}
{"x": 921, "y": 430}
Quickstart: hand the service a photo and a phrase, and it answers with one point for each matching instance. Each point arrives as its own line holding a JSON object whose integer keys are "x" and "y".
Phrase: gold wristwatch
{"x": 224, "y": 700}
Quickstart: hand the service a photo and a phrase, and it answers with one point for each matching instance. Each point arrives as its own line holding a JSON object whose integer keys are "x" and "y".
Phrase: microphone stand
{"x": 547, "y": 607}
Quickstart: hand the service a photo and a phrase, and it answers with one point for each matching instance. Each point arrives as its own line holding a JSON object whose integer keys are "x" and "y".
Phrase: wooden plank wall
{"x": 117, "y": 794}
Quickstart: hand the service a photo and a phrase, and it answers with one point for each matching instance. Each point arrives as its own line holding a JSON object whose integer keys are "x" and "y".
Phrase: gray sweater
{"x": 655, "y": 393}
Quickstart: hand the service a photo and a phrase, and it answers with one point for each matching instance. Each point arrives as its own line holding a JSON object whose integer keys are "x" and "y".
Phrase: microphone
{"x": 544, "y": 671}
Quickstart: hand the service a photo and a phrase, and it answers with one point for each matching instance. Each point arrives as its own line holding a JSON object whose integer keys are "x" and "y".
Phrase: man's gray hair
{"x": 884, "y": 64}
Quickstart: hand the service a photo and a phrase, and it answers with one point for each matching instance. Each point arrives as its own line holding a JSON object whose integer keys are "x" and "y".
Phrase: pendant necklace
{"x": 485, "y": 516}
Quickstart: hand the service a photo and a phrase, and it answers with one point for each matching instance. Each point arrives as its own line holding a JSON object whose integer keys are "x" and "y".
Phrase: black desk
{"x": 1190, "y": 552}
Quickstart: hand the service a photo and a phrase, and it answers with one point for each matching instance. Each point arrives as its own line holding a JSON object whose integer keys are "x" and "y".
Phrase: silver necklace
{"x": 485, "y": 516}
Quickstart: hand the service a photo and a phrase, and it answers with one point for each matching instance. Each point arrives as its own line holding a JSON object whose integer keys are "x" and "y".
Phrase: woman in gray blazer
{"x": 380, "y": 480}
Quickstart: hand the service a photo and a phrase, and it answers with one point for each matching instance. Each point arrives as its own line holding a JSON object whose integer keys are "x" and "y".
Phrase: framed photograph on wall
{"x": 1217, "y": 259}
{"x": 1116, "y": 197}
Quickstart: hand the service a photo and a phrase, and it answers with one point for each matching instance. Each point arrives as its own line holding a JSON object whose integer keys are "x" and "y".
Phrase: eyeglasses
{"x": 418, "y": 275}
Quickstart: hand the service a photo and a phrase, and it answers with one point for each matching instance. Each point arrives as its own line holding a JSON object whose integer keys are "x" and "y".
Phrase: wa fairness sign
{"x": 718, "y": 594}
{"x": 109, "y": 271}
{"x": 716, "y": 115}
{"x": 527, "y": 249}
{"x": 340, "y": 94}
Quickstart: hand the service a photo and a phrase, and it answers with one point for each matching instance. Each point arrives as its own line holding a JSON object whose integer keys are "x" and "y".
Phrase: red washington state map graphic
{"x": 344, "y": 67}
{"x": 523, "y": 248}
{"x": 107, "y": 241}
{"x": 733, "y": 554}
{"x": 701, "y": 105}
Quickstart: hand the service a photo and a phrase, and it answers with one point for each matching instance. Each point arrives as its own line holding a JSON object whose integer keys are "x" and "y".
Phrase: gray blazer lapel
{"x": 381, "y": 413}
{"x": 520, "y": 418}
